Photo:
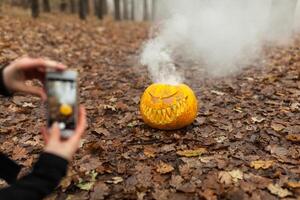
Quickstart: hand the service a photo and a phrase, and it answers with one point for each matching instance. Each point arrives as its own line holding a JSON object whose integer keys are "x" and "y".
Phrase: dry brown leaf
{"x": 19, "y": 153}
{"x": 115, "y": 180}
{"x": 277, "y": 127}
{"x": 293, "y": 184}
{"x": 149, "y": 152}
{"x": 192, "y": 153}
{"x": 264, "y": 164}
{"x": 257, "y": 119}
{"x": 293, "y": 137}
{"x": 225, "y": 178}
{"x": 277, "y": 190}
{"x": 164, "y": 168}
{"x": 100, "y": 191}
{"x": 236, "y": 175}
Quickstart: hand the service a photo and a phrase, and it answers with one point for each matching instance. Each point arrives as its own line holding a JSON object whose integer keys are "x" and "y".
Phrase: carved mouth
{"x": 166, "y": 115}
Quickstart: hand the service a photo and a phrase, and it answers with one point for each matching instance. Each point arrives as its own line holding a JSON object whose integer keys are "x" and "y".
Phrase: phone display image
{"x": 62, "y": 102}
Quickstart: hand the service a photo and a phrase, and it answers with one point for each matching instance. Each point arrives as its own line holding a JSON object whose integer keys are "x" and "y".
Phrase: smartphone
{"x": 62, "y": 105}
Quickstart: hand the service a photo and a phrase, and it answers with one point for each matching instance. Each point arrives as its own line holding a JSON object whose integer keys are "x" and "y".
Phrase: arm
{"x": 46, "y": 175}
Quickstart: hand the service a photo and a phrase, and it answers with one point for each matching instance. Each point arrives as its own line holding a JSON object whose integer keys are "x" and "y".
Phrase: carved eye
{"x": 168, "y": 107}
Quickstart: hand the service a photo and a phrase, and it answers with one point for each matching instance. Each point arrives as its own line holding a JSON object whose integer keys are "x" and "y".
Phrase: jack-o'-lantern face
{"x": 168, "y": 107}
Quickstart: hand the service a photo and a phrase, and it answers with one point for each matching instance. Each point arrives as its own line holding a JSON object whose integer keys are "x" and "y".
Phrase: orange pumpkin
{"x": 168, "y": 107}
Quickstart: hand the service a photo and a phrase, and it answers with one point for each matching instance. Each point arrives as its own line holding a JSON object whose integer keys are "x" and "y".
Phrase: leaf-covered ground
{"x": 244, "y": 143}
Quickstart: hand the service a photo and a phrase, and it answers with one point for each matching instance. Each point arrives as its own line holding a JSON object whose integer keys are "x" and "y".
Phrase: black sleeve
{"x": 9, "y": 170}
{"x": 3, "y": 89}
{"x": 46, "y": 175}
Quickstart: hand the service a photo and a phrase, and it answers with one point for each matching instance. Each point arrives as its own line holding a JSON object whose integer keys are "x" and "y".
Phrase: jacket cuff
{"x": 3, "y": 90}
{"x": 51, "y": 161}
{"x": 9, "y": 170}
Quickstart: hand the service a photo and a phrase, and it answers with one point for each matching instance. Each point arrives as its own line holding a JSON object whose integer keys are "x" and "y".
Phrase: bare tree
{"x": 104, "y": 7}
{"x": 63, "y": 5}
{"x": 82, "y": 9}
{"x": 154, "y": 9}
{"x": 35, "y": 11}
{"x": 145, "y": 10}
{"x": 87, "y": 6}
{"x": 72, "y": 6}
{"x": 98, "y": 9}
{"x": 117, "y": 9}
{"x": 132, "y": 10}
{"x": 125, "y": 9}
{"x": 46, "y": 6}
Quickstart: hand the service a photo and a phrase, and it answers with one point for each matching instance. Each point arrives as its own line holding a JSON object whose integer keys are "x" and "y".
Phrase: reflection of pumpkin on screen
{"x": 61, "y": 102}
{"x": 168, "y": 107}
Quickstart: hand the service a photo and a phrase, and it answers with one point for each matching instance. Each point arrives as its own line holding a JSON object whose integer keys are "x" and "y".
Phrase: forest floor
{"x": 247, "y": 128}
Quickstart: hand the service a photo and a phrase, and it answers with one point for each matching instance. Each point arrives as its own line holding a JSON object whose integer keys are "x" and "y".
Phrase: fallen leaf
{"x": 293, "y": 137}
{"x": 257, "y": 119}
{"x": 85, "y": 185}
{"x": 88, "y": 185}
{"x": 192, "y": 153}
{"x": 102, "y": 131}
{"x": 28, "y": 105}
{"x": 277, "y": 190}
{"x": 217, "y": 92}
{"x": 100, "y": 191}
{"x": 264, "y": 164}
{"x": 19, "y": 153}
{"x": 149, "y": 152}
{"x": 225, "y": 178}
{"x": 115, "y": 180}
{"x": 236, "y": 175}
{"x": 293, "y": 184}
{"x": 277, "y": 127}
{"x": 164, "y": 168}
{"x": 132, "y": 124}
{"x": 176, "y": 181}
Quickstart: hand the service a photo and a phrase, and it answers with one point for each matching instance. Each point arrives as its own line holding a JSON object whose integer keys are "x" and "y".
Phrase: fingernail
{"x": 51, "y": 63}
{"x": 55, "y": 125}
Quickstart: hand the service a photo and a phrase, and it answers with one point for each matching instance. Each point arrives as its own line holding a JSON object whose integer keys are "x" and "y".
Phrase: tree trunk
{"x": 72, "y": 6}
{"x": 154, "y": 9}
{"x": 46, "y": 6}
{"x": 104, "y": 7}
{"x": 117, "y": 10}
{"x": 63, "y": 6}
{"x": 125, "y": 10}
{"x": 145, "y": 10}
{"x": 25, "y": 4}
{"x": 132, "y": 10}
{"x": 35, "y": 10}
{"x": 82, "y": 9}
{"x": 87, "y": 7}
{"x": 98, "y": 8}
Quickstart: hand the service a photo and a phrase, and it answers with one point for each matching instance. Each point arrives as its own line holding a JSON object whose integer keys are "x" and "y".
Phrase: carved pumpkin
{"x": 168, "y": 107}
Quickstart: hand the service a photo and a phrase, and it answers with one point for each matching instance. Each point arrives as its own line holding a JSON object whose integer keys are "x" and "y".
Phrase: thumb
{"x": 55, "y": 132}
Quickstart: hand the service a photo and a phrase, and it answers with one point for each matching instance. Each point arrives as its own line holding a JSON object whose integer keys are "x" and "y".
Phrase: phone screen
{"x": 62, "y": 106}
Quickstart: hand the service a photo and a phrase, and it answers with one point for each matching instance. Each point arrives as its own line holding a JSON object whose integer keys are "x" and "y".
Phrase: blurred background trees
{"x": 119, "y": 9}
{"x": 139, "y": 10}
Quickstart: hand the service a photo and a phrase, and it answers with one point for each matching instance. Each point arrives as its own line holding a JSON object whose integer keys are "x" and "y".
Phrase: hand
{"x": 18, "y": 72}
{"x": 65, "y": 148}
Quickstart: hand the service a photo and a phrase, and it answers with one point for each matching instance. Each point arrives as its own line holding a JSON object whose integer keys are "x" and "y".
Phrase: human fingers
{"x": 45, "y": 134}
{"x": 54, "y": 133}
{"x": 81, "y": 125}
{"x": 37, "y": 91}
{"x": 27, "y": 63}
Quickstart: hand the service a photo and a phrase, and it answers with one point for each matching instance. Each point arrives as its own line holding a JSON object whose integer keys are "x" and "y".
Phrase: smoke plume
{"x": 224, "y": 36}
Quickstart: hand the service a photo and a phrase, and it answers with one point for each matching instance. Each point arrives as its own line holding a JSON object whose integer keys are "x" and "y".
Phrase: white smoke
{"x": 224, "y": 35}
